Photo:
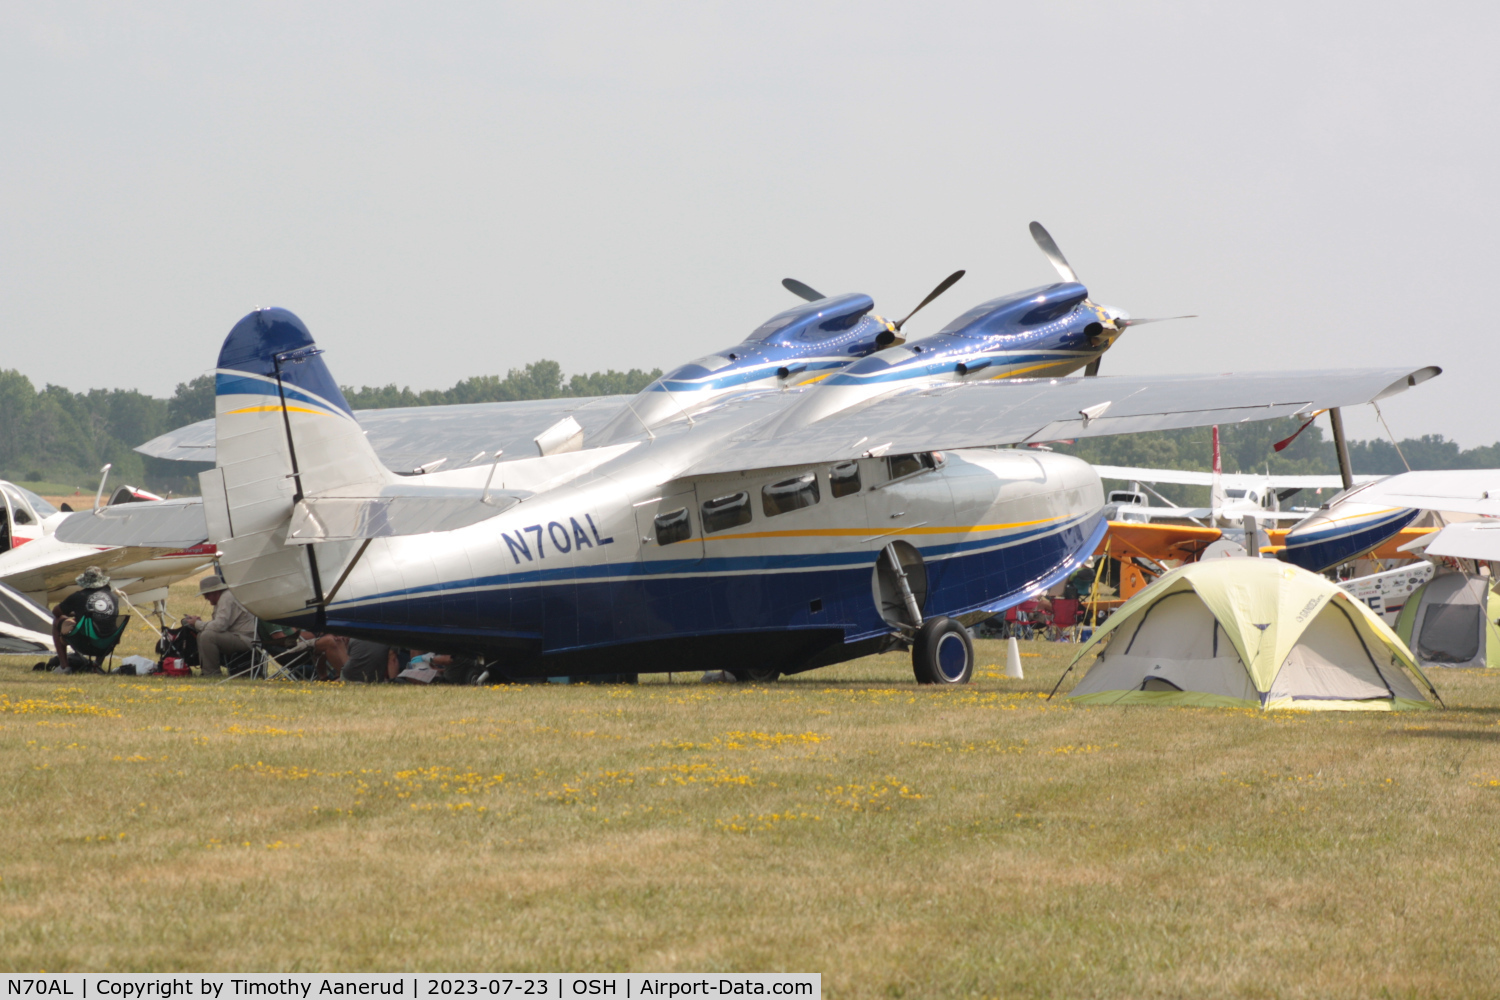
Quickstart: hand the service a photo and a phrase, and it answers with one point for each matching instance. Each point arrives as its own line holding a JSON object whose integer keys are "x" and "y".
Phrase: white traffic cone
{"x": 1013, "y": 659}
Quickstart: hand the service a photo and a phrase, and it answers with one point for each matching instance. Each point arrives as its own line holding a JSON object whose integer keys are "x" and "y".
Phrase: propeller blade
{"x": 1049, "y": 247}
{"x": 942, "y": 287}
{"x": 1092, "y": 368}
{"x": 805, "y": 291}
{"x": 1123, "y": 323}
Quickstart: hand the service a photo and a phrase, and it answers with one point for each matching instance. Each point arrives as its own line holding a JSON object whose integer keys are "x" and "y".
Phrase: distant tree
{"x": 538, "y": 380}
{"x": 193, "y": 401}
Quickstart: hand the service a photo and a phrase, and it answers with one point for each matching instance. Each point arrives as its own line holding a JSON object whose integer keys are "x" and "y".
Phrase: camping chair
{"x": 89, "y": 642}
{"x": 1015, "y": 626}
{"x": 294, "y": 662}
{"x": 1064, "y": 619}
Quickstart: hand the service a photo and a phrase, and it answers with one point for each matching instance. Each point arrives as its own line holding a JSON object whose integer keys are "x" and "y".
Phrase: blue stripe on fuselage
{"x": 640, "y": 603}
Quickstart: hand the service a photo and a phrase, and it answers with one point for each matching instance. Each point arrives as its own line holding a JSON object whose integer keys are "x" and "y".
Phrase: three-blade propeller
{"x": 1095, "y": 331}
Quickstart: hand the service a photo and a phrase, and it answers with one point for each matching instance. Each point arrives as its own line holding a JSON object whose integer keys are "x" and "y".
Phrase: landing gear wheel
{"x": 756, "y": 675}
{"x": 942, "y": 653}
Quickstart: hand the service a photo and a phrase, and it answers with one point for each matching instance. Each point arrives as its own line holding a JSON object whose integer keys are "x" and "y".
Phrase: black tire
{"x": 757, "y": 675}
{"x": 942, "y": 653}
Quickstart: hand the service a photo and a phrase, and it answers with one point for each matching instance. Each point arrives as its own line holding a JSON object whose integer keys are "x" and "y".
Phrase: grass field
{"x": 902, "y": 841}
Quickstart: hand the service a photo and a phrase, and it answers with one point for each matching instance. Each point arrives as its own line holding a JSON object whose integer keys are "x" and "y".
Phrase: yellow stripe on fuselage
{"x": 959, "y": 529}
{"x": 277, "y": 409}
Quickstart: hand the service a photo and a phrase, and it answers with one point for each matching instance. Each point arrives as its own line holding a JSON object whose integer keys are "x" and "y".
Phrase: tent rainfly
{"x": 1249, "y": 633}
{"x": 1449, "y": 621}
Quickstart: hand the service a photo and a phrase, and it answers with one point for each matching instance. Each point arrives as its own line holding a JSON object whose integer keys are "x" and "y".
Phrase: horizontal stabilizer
{"x": 162, "y": 524}
{"x": 410, "y": 436}
{"x": 328, "y": 519}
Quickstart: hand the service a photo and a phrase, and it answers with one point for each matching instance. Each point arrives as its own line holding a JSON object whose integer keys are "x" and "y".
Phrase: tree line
{"x": 60, "y": 437}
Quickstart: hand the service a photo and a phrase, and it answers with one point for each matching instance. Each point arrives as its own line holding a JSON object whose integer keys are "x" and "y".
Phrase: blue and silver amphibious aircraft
{"x": 737, "y": 539}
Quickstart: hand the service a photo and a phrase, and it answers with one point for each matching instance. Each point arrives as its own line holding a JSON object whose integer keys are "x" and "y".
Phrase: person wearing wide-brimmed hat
{"x": 228, "y": 632}
{"x": 92, "y": 606}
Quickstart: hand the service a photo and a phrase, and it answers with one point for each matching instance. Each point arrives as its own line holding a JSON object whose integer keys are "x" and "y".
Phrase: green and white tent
{"x": 1249, "y": 633}
{"x": 1449, "y": 621}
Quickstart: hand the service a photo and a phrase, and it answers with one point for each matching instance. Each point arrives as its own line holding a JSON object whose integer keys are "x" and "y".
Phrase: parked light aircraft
{"x": 764, "y": 535}
{"x": 34, "y": 561}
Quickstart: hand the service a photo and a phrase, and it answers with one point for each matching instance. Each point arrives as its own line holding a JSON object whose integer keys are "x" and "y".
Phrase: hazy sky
{"x": 443, "y": 190}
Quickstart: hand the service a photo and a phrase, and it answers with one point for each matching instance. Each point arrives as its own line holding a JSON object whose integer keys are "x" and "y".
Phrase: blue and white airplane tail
{"x": 284, "y": 431}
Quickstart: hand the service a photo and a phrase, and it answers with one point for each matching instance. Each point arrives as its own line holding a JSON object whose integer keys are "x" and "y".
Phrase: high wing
{"x": 1232, "y": 480}
{"x": 37, "y": 567}
{"x": 1467, "y": 491}
{"x": 1013, "y": 411}
{"x": 1469, "y": 540}
{"x": 408, "y": 437}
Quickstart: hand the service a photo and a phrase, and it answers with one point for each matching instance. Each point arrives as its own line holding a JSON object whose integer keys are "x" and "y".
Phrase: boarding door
{"x": 669, "y": 529}
{"x": 660, "y": 597}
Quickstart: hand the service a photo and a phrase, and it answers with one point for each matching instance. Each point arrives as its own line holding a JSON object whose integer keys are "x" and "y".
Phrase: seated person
{"x": 229, "y": 632}
{"x": 85, "y": 618}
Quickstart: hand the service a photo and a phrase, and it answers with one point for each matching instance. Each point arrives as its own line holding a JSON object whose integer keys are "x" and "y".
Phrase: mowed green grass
{"x": 901, "y": 841}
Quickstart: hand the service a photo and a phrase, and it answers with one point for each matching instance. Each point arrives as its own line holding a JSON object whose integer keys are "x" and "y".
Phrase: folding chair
{"x": 89, "y": 642}
{"x": 1064, "y": 619}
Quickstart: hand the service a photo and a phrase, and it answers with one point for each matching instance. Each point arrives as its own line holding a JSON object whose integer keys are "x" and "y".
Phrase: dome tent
{"x": 1249, "y": 633}
{"x": 1449, "y": 621}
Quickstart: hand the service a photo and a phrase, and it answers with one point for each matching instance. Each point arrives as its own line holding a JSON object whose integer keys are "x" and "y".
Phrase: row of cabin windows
{"x": 783, "y": 497}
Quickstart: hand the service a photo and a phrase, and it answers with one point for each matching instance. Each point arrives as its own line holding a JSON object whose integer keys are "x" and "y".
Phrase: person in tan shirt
{"x": 229, "y": 632}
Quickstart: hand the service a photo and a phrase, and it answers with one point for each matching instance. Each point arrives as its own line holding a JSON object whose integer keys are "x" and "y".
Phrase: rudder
{"x": 283, "y": 431}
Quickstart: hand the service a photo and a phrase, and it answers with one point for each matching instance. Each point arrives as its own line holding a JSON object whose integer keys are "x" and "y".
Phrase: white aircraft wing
{"x": 1012, "y": 411}
{"x": 1232, "y": 480}
{"x": 1467, "y": 491}
{"x": 408, "y": 437}
{"x": 1469, "y": 540}
{"x": 40, "y": 566}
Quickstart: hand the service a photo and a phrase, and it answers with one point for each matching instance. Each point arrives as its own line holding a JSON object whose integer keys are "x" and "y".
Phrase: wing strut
{"x": 1341, "y": 447}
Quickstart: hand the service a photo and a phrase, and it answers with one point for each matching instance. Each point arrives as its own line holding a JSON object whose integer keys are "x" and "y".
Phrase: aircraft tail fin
{"x": 283, "y": 432}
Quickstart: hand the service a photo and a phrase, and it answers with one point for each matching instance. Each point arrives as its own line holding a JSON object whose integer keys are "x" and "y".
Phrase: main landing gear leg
{"x": 941, "y": 651}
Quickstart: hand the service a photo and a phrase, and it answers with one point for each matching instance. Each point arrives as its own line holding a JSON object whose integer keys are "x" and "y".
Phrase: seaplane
{"x": 760, "y": 522}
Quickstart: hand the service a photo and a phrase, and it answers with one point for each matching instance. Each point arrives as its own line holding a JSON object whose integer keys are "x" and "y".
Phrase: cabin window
{"x": 903, "y": 465}
{"x": 843, "y": 479}
{"x": 722, "y": 513}
{"x": 906, "y": 465}
{"x": 789, "y": 494}
{"x": 673, "y": 526}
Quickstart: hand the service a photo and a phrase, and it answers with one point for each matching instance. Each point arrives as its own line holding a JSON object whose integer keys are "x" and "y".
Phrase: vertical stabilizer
{"x": 283, "y": 431}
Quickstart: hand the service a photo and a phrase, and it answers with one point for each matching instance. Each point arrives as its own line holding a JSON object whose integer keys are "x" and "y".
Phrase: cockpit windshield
{"x": 40, "y": 506}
